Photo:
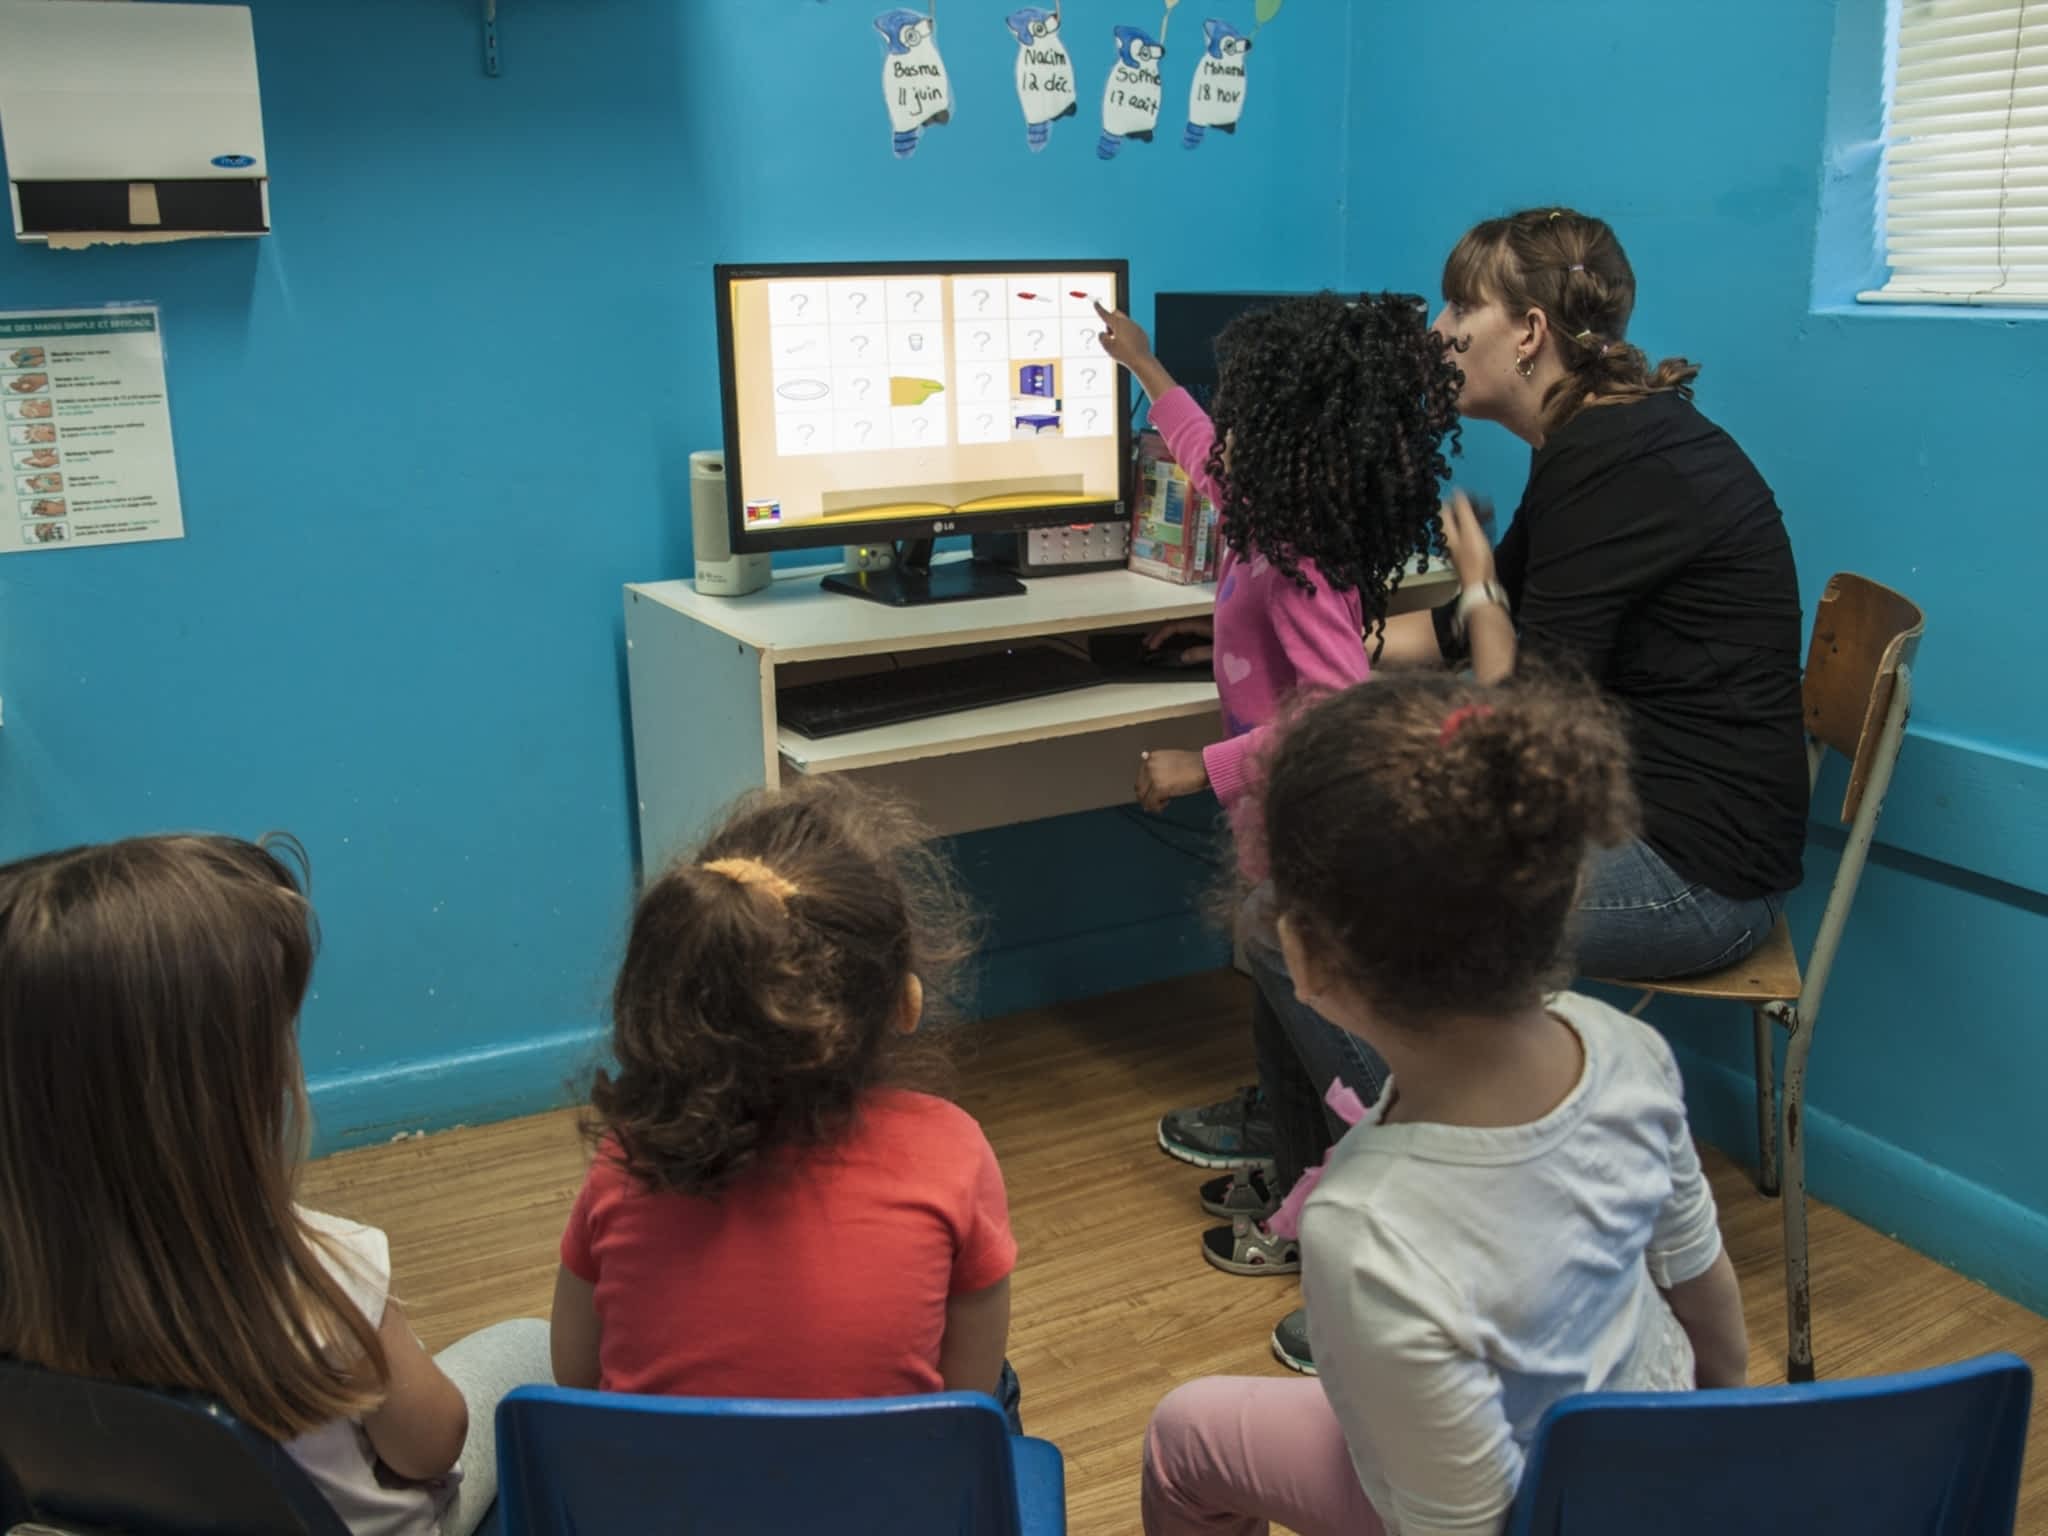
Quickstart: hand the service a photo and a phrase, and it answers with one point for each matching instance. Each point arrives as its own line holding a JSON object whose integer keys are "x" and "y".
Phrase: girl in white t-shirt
{"x": 152, "y": 1115}
{"x": 1521, "y": 1216}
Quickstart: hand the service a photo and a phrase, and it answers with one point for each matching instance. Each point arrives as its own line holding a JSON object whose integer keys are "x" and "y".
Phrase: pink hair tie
{"x": 1458, "y": 717}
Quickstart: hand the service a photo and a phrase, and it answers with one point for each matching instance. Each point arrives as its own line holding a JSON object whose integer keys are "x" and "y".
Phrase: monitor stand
{"x": 913, "y": 579}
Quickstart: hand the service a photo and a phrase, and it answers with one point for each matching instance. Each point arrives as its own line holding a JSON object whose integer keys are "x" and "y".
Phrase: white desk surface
{"x": 793, "y": 619}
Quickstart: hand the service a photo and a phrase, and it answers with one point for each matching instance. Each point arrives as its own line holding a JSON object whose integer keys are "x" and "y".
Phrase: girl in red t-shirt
{"x": 772, "y": 1211}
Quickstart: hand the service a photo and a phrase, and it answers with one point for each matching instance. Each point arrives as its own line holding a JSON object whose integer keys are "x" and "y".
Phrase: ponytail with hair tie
{"x": 1460, "y": 817}
{"x": 752, "y": 874}
{"x": 761, "y": 994}
{"x": 1527, "y": 261}
{"x": 1459, "y": 717}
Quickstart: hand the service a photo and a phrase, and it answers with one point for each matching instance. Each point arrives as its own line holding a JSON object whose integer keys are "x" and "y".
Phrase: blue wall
{"x": 1904, "y": 446}
{"x": 429, "y": 427}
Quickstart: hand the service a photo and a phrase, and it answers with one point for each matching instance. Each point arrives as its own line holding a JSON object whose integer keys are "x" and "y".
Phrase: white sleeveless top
{"x": 338, "y": 1457}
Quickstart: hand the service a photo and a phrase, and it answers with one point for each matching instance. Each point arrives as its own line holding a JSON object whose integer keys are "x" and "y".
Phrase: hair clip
{"x": 1459, "y": 717}
{"x": 1577, "y": 266}
{"x": 752, "y": 872}
{"x": 1584, "y": 338}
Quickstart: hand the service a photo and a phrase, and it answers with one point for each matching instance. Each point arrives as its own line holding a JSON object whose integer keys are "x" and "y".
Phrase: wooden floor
{"x": 1113, "y": 1303}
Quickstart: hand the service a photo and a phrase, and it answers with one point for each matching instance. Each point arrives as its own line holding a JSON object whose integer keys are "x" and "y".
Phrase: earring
{"x": 1525, "y": 365}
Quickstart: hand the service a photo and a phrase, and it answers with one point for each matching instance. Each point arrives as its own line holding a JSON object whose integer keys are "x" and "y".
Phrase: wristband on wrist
{"x": 1480, "y": 594}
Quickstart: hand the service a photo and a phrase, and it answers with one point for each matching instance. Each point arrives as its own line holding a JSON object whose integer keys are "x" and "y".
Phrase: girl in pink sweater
{"x": 1325, "y": 458}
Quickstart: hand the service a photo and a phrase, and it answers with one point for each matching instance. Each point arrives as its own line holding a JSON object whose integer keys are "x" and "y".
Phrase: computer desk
{"x": 702, "y": 674}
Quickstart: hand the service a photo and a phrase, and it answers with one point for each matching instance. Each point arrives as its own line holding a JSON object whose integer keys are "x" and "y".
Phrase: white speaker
{"x": 720, "y": 572}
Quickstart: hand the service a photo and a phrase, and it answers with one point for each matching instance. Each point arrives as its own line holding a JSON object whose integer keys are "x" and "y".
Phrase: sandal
{"x": 1248, "y": 1247}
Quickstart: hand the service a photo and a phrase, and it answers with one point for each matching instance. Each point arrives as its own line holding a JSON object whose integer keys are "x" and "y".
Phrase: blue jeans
{"x": 1639, "y": 919}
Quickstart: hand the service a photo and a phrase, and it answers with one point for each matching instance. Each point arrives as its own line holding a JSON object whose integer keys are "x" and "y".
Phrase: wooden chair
{"x": 1857, "y": 692}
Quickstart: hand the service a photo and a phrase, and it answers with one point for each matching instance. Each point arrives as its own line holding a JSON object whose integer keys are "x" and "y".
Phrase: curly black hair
{"x": 1334, "y": 415}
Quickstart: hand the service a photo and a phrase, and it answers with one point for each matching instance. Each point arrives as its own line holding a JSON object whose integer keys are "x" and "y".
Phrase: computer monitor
{"x": 1184, "y": 331}
{"x": 897, "y": 402}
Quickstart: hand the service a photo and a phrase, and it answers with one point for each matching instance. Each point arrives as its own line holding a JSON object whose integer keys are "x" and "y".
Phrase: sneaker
{"x": 1246, "y": 1247}
{"x": 1237, "y": 1133}
{"x": 1247, "y": 1192}
{"x": 1290, "y": 1342}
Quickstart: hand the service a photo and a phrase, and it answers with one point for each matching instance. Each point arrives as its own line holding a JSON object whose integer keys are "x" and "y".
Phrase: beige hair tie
{"x": 755, "y": 874}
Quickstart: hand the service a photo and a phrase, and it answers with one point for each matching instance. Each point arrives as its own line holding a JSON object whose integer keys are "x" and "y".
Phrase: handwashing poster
{"x": 88, "y": 428}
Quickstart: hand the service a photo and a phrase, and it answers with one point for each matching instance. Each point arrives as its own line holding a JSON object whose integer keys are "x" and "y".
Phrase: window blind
{"x": 1966, "y": 154}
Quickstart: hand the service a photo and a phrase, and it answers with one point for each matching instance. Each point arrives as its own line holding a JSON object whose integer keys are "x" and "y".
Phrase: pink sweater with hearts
{"x": 1274, "y": 642}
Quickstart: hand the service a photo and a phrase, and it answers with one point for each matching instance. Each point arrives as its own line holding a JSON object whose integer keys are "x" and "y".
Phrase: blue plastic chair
{"x": 76, "y": 1452}
{"x": 573, "y": 1461}
{"x": 1933, "y": 1453}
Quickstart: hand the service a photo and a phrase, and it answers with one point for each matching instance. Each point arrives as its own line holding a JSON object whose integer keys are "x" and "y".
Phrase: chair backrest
{"x": 81, "y": 1453}
{"x": 590, "y": 1461}
{"x": 1862, "y": 634}
{"x": 1935, "y": 1452}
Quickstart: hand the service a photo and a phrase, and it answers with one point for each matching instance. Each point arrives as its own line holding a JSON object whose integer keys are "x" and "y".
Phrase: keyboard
{"x": 920, "y": 691}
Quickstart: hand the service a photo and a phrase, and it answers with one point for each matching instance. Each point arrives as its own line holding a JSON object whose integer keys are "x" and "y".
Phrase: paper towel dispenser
{"x": 131, "y": 120}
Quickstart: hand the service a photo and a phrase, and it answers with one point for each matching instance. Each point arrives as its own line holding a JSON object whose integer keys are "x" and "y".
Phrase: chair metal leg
{"x": 1798, "y": 1282}
{"x": 1766, "y": 1107}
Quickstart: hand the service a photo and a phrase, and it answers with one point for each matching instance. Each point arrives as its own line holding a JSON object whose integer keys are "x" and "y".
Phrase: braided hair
{"x": 1332, "y": 415}
{"x": 1570, "y": 266}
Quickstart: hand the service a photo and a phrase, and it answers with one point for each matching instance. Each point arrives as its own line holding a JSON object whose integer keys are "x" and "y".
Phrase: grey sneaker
{"x": 1237, "y": 1133}
{"x": 1247, "y": 1247}
{"x": 1247, "y": 1192}
{"x": 1290, "y": 1342}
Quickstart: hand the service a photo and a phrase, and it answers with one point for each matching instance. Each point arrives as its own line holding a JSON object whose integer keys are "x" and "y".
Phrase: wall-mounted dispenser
{"x": 131, "y": 122}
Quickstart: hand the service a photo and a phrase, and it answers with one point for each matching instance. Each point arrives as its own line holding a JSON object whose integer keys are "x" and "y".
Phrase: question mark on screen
{"x": 859, "y": 301}
{"x": 981, "y": 298}
{"x": 982, "y": 339}
{"x": 865, "y": 429}
{"x": 1037, "y": 339}
{"x": 799, "y": 302}
{"x": 860, "y": 344}
{"x": 806, "y": 432}
{"x": 983, "y": 380}
{"x": 1088, "y": 378}
{"x": 917, "y": 301}
{"x": 861, "y": 387}
{"x": 920, "y": 427}
{"x": 1088, "y": 418}
{"x": 985, "y": 421}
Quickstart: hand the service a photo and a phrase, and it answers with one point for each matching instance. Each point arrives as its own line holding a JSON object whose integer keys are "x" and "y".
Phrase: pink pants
{"x": 1226, "y": 1455}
